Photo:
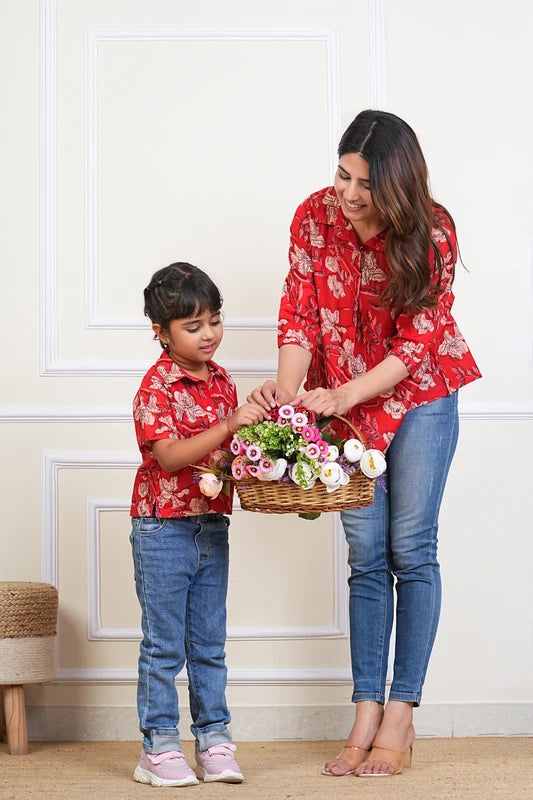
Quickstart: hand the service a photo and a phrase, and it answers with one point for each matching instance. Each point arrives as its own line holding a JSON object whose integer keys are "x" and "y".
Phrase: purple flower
{"x": 253, "y": 452}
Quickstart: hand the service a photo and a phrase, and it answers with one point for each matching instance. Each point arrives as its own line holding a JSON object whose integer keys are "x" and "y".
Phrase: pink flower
{"x": 266, "y": 464}
{"x": 235, "y": 446}
{"x": 322, "y": 446}
{"x": 315, "y": 433}
{"x": 253, "y": 469}
{"x": 312, "y": 450}
{"x": 286, "y": 412}
{"x": 307, "y": 434}
{"x": 253, "y": 452}
{"x": 210, "y": 485}
{"x": 298, "y": 421}
{"x": 238, "y": 467}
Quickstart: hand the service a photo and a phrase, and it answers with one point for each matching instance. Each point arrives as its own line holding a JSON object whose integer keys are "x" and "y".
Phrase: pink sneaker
{"x": 164, "y": 769}
{"x": 217, "y": 764}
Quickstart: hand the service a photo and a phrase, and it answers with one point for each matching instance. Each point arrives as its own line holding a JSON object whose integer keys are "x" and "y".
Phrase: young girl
{"x": 185, "y": 408}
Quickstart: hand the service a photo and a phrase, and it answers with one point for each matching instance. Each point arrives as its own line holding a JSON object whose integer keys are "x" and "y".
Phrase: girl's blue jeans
{"x": 181, "y": 577}
{"x": 396, "y": 538}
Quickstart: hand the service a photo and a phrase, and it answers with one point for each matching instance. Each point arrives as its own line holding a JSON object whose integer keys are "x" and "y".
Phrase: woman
{"x": 366, "y": 315}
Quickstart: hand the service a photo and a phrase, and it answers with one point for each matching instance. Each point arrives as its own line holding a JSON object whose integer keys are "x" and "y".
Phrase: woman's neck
{"x": 365, "y": 232}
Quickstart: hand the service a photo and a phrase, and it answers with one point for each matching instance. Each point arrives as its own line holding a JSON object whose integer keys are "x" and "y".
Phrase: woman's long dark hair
{"x": 401, "y": 196}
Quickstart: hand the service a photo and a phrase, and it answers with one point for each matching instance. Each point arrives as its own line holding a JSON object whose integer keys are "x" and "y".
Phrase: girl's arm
{"x": 175, "y": 454}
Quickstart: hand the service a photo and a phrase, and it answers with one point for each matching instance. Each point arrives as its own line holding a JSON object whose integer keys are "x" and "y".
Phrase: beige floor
{"x": 443, "y": 769}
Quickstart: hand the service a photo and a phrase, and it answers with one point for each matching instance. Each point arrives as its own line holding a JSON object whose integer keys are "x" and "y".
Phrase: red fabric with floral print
{"x": 329, "y": 307}
{"x": 171, "y": 404}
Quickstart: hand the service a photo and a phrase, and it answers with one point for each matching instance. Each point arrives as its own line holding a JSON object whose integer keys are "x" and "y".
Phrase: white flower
{"x": 353, "y": 450}
{"x": 373, "y": 463}
{"x": 210, "y": 485}
{"x": 333, "y": 453}
{"x": 332, "y": 476}
{"x": 307, "y": 481}
{"x": 277, "y": 470}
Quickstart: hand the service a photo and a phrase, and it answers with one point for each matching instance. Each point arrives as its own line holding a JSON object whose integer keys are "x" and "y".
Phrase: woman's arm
{"x": 293, "y": 362}
{"x": 381, "y": 378}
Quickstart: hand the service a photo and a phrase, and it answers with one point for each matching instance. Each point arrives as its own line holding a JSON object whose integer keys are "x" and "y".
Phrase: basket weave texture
{"x": 27, "y": 610}
{"x": 270, "y": 497}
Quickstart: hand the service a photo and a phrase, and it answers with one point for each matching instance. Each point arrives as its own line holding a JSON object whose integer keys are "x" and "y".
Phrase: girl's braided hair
{"x": 179, "y": 291}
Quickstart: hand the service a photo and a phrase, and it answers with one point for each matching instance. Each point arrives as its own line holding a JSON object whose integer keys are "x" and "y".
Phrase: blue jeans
{"x": 396, "y": 537}
{"x": 181, "y": 577}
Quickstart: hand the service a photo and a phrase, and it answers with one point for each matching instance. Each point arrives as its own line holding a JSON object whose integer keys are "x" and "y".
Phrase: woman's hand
{"x": 326, "y": 402}
{"x": 270, "y": 395}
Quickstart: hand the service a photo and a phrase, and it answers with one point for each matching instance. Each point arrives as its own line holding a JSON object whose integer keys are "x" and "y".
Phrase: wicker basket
{"x": 270, "y": 497}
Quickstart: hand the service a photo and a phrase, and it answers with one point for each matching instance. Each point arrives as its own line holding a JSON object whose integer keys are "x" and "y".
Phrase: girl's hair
{"x": 400, "y": 193}
{"x": 179, "y": 291}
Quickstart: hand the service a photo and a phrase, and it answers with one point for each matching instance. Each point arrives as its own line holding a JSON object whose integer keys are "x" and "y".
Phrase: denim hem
{"x": 406, "y": 697}
{"x": 162, "y": 743}
{"x": 377, "y": 697}
{"x": 209, "y": 738}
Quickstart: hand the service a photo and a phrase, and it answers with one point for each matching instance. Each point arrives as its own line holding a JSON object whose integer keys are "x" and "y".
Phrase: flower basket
{"x": 271, "y": 497}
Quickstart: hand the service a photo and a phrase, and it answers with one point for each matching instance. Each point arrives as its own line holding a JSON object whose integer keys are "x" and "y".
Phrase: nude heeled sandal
{"x": 397, "y": 759}
{"x": 363, "y": 750}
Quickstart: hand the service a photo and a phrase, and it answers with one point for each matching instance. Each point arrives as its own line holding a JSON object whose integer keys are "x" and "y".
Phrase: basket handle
{"x": 357, "y": 433}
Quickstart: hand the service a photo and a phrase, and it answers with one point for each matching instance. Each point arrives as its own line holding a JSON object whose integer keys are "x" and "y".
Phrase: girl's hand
{"x": 247, "y": 414}
{"x": 326, "y": 402}
{"x": 270, "y": 395}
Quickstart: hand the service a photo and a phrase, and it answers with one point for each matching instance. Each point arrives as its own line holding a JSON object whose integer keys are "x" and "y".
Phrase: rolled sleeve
{"x": 298, "y": 315}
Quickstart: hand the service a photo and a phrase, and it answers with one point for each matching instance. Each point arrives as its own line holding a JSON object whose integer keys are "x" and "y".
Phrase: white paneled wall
{"x": 137, "y": 134}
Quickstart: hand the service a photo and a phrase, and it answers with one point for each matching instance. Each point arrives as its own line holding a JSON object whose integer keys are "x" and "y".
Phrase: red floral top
{"x": 171, "y": 404}
{"x": 329, "y": 307}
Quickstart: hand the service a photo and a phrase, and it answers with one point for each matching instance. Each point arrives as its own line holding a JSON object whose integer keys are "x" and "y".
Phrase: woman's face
{"x": 352, "y": 184}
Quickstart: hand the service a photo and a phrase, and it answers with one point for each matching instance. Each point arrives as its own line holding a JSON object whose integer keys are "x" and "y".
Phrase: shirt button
{"x": 209, "y": 408}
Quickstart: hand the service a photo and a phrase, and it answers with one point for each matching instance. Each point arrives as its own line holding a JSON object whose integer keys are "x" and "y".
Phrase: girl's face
{"x": 352, "y": 184}
{"x": 192, "y": 341}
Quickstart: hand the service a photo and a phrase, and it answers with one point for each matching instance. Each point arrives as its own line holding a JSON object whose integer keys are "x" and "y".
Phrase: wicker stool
{"x": 28, "y": 618}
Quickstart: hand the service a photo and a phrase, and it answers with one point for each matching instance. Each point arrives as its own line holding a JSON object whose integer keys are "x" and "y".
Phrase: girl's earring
{"x": 166, "y": 346}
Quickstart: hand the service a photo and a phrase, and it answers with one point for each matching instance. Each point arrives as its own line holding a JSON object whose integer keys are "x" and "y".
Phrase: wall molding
{"x": 275, "y": 722}
{"x": 338, "y": 629}
{"x": 236, "y": 677}
{"x": 93, "y": 38}
{"x": 50, "y": 362}
{"x": 379, "y": 66}
{"x": 102, "y": 414}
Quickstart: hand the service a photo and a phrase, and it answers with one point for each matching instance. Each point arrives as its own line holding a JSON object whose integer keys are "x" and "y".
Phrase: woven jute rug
{"x": 443, "y": 769}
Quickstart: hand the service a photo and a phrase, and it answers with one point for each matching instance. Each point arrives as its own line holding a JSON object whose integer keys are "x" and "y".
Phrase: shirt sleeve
{"x": 298, "y": 315}
{"x": 419, "y": 333}
{"x": 153, "y": 417}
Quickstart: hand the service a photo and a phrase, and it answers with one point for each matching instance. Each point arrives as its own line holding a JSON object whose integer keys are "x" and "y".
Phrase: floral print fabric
{"x": 330, "y": 306}
{"x": 171, "y": 404}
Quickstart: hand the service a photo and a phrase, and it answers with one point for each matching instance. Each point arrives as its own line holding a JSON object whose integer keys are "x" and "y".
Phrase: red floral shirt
{"x": 329, "y": 307}
{"x": 171, "y": 404}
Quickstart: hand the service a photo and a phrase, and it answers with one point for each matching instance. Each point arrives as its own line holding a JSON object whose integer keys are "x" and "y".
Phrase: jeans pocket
{"x": 149, "y": 525}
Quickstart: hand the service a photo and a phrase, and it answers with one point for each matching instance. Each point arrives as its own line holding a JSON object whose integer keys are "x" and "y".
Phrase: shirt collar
{"x": 343, "y": 227}
{"x": 170, "y": 372}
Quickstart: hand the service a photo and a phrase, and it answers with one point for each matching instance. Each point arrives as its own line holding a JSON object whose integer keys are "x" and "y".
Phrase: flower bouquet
{"x": 290, "y": 464}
